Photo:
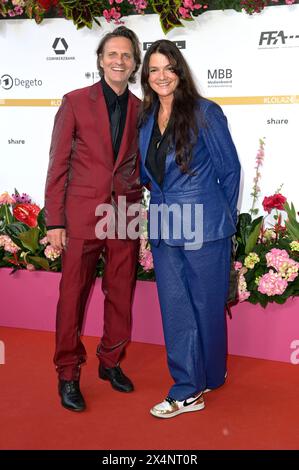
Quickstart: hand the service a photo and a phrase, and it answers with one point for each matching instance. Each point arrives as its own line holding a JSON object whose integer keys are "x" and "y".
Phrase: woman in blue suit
{"x": 190, "y": 163}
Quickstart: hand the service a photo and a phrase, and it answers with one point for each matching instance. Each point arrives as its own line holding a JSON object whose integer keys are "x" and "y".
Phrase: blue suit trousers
{"x": 192, "y": 288}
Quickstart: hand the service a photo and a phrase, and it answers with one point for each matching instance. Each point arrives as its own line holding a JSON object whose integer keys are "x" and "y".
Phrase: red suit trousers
{"x": 79, "y": 262}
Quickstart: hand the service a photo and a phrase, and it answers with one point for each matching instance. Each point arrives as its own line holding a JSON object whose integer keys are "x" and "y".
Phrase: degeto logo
{"x": 60, "y": 46}
{"x": 6, "y": 82}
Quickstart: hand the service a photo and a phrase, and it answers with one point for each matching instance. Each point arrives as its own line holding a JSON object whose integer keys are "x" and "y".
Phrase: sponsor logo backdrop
{"x": 249, "y": 65}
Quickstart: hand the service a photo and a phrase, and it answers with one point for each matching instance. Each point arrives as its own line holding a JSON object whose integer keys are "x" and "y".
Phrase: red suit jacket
{"x": 82, "y": 173}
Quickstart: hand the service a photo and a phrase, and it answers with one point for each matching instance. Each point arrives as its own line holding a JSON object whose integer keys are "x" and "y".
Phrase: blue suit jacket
{"x": 214, "y": 184}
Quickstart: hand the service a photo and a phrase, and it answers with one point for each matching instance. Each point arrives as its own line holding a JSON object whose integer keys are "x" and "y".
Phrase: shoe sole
{"x": 178, "y": 412}
{"x": 69, "y": 407}
{"x": 73, "y": 409}
{"x": 104, "y": 377}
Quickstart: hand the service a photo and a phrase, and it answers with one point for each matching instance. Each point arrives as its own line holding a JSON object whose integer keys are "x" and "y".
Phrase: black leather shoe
{"x": 117, "y": 378}
{"x": 71, "y": 397}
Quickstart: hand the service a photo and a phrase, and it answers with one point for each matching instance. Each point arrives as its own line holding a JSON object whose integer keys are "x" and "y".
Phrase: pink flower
{"x": 8, "y": 244}
{"x": 112, "y": 14}
{"x": 30, "y": 267}
{"x": 188, "y": 3}
{"x": 106, "y": 15}
{"x": 22, "y": 198}
{"x": 184, "y": 12}
{"x": 276, "y": 258}
{"x": 272, "y": 284}
{"x": 146, "y": 260}
{"x": 260, "y": 156}
{"x": 6, "y": 199}
{"x": 237, "y": 265}
{"x": 145, "y": 255}
{"x": 43, "y": 241}
{"x": 52, "y": 253}
{"x": 243, "y": 295}
{"x": 19, "y": 10}
{"x": 290, "y": 2}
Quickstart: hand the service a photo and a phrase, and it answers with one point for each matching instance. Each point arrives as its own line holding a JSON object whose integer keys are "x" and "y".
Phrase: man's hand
{"x": 57, "y": 238}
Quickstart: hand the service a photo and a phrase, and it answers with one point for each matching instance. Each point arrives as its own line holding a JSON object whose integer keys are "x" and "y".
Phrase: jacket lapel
{"x": 144, "y": 141}
{"x": 102, "y": 124}
{"x": 145, "y": 136}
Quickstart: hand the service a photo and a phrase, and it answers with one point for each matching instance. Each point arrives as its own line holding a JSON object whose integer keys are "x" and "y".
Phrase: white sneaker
{"x": 170, "y": 408}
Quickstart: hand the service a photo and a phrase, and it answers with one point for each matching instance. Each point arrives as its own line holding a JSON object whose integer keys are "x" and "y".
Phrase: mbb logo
{"x": 217, "y": 74}
{"x": 60, "y": 46}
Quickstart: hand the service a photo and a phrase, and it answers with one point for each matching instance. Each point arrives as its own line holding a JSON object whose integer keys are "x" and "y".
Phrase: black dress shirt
{"x": 157, "y": 151}
{"x": 111, "y": 97}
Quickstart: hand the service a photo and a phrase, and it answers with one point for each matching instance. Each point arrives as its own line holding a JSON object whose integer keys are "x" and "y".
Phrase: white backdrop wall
{"x": 249, "y": 65}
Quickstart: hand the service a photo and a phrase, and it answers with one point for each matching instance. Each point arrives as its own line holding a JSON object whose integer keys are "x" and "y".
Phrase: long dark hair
{"x": 185, "y": 128}
{"x": 122, "y": 32}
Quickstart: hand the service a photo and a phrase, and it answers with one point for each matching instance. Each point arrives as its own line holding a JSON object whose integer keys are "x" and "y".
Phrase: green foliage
{"x": 84, "y": 12}
{"x": 292, "y": 225}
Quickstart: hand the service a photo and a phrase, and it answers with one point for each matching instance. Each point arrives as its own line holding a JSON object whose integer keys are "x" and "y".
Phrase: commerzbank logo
{"x": 60, "y": 46}
{"x": 7, "y": 82}
{"x": 278, "y": 39}
{"x": 60, "y": 49}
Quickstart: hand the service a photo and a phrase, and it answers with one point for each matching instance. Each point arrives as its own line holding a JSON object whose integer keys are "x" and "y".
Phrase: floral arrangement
{"x": 267, "y": 257}
{"x": 24, "y": 243}
{"x": 23, "y": 240}
{"x": 84, "y": 12}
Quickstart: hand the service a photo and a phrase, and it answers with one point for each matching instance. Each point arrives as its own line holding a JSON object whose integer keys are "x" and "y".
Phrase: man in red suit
{"x": 93, "y": 161}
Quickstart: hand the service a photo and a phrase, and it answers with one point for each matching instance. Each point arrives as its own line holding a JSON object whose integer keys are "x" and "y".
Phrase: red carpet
{"x": 258, "y": 408}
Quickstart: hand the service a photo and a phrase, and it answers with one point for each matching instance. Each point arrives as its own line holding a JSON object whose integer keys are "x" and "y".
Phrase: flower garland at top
{"x": 84, "y": 12}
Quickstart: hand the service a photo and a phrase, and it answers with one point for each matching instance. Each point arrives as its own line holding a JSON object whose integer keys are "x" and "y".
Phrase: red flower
{"x": 27, "y": 213}
{"x": 274, "y": 202}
